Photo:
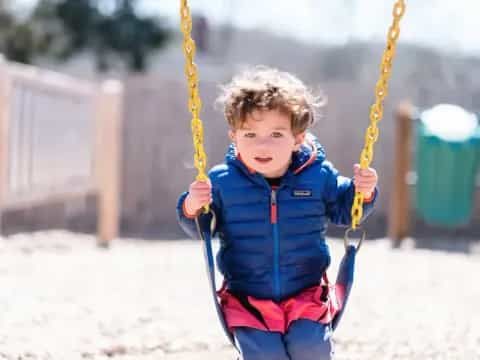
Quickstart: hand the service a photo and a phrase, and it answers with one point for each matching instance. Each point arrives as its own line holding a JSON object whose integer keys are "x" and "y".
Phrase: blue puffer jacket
{"x": 272, "y": 241}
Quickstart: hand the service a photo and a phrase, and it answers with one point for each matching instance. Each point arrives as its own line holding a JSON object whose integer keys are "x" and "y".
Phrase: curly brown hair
{"x": 263, "y": 88}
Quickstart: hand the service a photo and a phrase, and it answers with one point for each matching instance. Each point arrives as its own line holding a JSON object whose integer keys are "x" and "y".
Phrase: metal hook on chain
{"x": 346, "y": 238}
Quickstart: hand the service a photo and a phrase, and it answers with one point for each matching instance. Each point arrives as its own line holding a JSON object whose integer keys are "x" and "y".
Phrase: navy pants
{"x": 304, "y": 340}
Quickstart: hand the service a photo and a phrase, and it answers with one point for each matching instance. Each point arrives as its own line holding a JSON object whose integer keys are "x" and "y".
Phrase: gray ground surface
{"x": 63, "y": 298}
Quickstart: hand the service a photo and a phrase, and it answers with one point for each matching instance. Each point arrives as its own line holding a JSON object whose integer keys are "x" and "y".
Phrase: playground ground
{"x": 63, "y": 298}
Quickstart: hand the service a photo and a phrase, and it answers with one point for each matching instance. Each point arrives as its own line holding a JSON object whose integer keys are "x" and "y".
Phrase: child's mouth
{"x": 263, "y": 160}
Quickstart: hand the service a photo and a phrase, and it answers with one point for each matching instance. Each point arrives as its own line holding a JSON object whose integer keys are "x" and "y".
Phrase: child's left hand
{"x": 365, "y": 180}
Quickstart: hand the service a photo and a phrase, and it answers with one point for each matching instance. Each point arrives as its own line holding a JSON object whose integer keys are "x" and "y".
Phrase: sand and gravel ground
{"x": 63, "y": 298}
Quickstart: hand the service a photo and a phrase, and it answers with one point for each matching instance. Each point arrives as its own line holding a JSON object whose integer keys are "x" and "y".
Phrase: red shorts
{"x": 318, "y": 303}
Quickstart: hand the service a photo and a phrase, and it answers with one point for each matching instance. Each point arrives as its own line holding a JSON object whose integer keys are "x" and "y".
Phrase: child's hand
{"x": 365, "y": 180}
{"x": 199, "y": 195}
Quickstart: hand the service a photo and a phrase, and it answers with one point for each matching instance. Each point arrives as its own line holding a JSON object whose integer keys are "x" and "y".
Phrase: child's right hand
{"x": 199, "y": 195}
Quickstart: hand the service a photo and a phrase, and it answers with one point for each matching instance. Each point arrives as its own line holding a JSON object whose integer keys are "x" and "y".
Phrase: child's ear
{"x": 299, "y": 139}
{"x": 231, "y": 135}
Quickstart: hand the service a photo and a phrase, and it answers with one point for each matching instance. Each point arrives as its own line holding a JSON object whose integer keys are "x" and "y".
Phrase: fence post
{"x": 399, "y": 215}
{"x": 109, "y": 116}
{"x": 5, "y": 88}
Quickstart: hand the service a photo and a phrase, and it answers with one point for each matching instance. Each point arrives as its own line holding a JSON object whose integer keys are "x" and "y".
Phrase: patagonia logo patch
{"x": 302, "y": 193}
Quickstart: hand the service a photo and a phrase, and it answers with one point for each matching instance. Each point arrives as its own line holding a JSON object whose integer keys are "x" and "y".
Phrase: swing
{"x": 206, "y": 224}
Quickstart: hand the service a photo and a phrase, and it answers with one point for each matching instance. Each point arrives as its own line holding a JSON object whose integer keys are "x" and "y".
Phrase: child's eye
{"x": 249, "y": 135}
{"x": 277, "y": 134}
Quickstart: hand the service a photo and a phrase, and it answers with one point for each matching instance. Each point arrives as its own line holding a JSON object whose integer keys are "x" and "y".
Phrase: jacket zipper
{"x": 276, "y": 244}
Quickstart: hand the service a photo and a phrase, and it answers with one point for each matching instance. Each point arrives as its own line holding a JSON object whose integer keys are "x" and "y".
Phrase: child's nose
{"x": 263, "y": 141}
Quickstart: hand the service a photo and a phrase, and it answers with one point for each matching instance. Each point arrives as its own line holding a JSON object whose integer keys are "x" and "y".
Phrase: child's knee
{"x": 263, "y": 354}
{"x": 311, "y": 350}
{"x": 260, "y": 345}
{"x": 308, "y": 340}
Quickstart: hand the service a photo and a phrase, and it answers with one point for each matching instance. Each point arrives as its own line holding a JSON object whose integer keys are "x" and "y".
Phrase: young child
{"x": 273, "y": 197}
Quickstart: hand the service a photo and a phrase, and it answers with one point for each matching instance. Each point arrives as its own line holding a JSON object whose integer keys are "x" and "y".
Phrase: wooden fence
{"x": 59, "y": 139}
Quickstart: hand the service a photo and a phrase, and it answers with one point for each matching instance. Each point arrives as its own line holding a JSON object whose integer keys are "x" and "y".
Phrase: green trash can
{"x": 447, "y": 162}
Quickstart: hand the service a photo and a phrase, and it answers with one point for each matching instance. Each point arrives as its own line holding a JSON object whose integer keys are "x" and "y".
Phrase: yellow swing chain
{"x": 194, "y": 102}
{"x": 376, "y": 110}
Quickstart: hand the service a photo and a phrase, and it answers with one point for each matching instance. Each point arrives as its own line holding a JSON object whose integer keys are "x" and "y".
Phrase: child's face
{"x": 266, "y": 142}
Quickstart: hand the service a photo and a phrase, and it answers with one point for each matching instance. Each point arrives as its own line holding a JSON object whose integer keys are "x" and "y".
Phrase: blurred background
{"x": 335, "y": 48}
{"x": 95, "y": 141}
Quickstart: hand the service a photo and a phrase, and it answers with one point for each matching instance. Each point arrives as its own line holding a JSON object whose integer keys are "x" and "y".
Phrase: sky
{"x": 444, "y": 24}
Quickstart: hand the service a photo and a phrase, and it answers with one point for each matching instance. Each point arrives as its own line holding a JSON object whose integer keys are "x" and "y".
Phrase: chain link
{"x": 194, "y": 102}
{"x": 376, "y": 110}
